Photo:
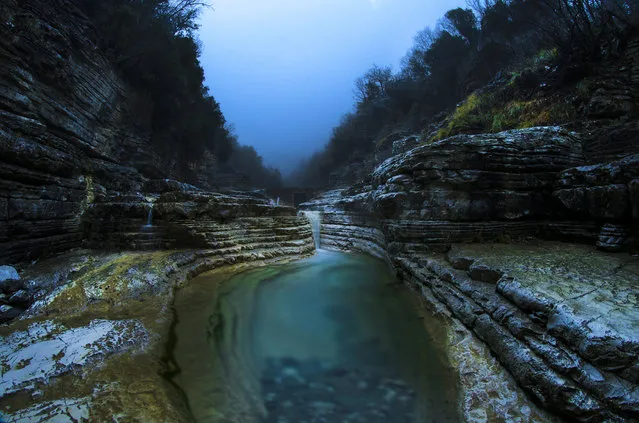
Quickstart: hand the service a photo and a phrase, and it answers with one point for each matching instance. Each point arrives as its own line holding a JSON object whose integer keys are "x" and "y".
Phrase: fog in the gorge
{"x": 284, "y": 70}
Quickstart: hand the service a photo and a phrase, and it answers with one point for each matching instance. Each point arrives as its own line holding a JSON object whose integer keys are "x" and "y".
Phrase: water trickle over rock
{"x": 315, "y": 218}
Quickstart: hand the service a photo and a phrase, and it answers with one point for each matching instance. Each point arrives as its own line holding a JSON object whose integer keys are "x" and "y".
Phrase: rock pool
{"x": 331, "y": 338}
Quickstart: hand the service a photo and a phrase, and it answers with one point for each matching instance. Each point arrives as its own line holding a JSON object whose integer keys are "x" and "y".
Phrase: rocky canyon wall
{"x": 190, "y": 218}
{"x": 78, "y": 167}
{"x": 559, "y": 316}
{"x": 69, "y": 127}
{"x": 505, "y": 186}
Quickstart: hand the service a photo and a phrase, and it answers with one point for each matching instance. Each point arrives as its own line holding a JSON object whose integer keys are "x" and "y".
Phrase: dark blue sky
{"x": 283, "y": 70}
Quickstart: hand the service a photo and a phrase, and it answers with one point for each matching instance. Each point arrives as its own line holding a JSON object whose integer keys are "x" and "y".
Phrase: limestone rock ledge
{"x": 462, "y": 189}
{"x": 487, "y": 391}
{"x": 90, "y": 343}
{"x": 560, "y": 318}
{"x": 62, "y": 360}
{"x": 223, "y": 227}
{"x": 191, "y": 218}
{"x": 347, "y": 225}
{"x": 606, "y": 193}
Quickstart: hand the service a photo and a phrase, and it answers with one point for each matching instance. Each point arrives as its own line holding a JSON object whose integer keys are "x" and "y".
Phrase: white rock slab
{"x": 74, "y": 410}
{"x": 48, "y": 349}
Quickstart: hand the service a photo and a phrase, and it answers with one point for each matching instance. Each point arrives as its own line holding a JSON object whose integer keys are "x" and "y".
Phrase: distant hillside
{"x": 500, "y": 65}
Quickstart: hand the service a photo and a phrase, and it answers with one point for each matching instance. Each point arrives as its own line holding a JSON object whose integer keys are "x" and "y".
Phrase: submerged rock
{"x": 298, "y": 391}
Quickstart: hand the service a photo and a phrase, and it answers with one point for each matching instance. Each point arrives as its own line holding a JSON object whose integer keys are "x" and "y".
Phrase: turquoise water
{"x": 332, "y": 338}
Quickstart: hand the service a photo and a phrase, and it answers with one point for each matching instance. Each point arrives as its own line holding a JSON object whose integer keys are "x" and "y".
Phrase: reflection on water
{"x": 326, "y": 339}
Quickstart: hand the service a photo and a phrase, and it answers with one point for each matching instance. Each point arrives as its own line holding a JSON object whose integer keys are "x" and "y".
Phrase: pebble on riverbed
{"x": 298, "y": 392}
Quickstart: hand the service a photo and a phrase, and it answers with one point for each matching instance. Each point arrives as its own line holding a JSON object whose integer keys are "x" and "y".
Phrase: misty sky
{"x": 283, "y": 70}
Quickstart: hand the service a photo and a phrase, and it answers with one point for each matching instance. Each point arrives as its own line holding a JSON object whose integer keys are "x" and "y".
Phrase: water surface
{"x": 332, "y": 338}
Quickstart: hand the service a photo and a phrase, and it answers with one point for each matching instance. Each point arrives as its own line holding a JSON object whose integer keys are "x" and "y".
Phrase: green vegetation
{"x": 523, "y": 52}
{"x": 472, "y": 115}
{"x": 487, "y": 113}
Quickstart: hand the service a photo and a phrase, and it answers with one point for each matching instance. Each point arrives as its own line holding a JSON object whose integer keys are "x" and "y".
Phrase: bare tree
{"x": 413, "y": 64}
{"x": 480, "y": 6}
{"x": 182, "y": 14}
{"x": 424, "y": 38}
{"x": 372, "y": 85}
{"x": 588, "y": 27}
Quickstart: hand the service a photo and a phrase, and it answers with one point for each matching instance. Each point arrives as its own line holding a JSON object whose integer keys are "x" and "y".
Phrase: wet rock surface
{"x": 348, "y": 225}
{"x": 69, "y": 129}
{"x": 612, "y": 237}
{"x": 66, "y": 410}
{"x": 79, "y": 365}
{"x": 188, "y": 218}
{"x": 14, "y": 299}
{"x": 306, "y": 391}
{"x": 561, "y": 318}
{"x": 477, "y": 188}
{"x": 606, "y": 194}
{"x": 586, "y": 298}
{"x": 8, "y": 277}
{"x": 46, "y": 350}
{"x": 461, "y": 189}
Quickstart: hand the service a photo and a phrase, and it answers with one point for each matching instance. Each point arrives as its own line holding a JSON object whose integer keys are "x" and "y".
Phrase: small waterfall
{"x": 316, "y": 225}
{"x": 149, "y": 217}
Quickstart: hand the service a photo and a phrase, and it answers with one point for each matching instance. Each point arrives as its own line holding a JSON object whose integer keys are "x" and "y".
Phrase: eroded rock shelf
{"x": 535, "y": 329}
{"x": 518, "y": 246}
{"x": 463, "y": 222}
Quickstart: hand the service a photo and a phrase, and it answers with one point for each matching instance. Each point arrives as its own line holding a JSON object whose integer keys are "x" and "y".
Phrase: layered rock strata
{"x": 564, "y": 330}
{"x": 190, "y": 218}
{"x": 68, "y": 123}
{"x": 224, "y": 228}
{"x": 465, "y": 188}
{"x": 610, "y": 114}
{"x": 567, "y": 334}
{"x": 91, "y": 344}
{"x": 607, "y": 194}
{"x": 510, "y": 185}
{"x": 346, "y": 225}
